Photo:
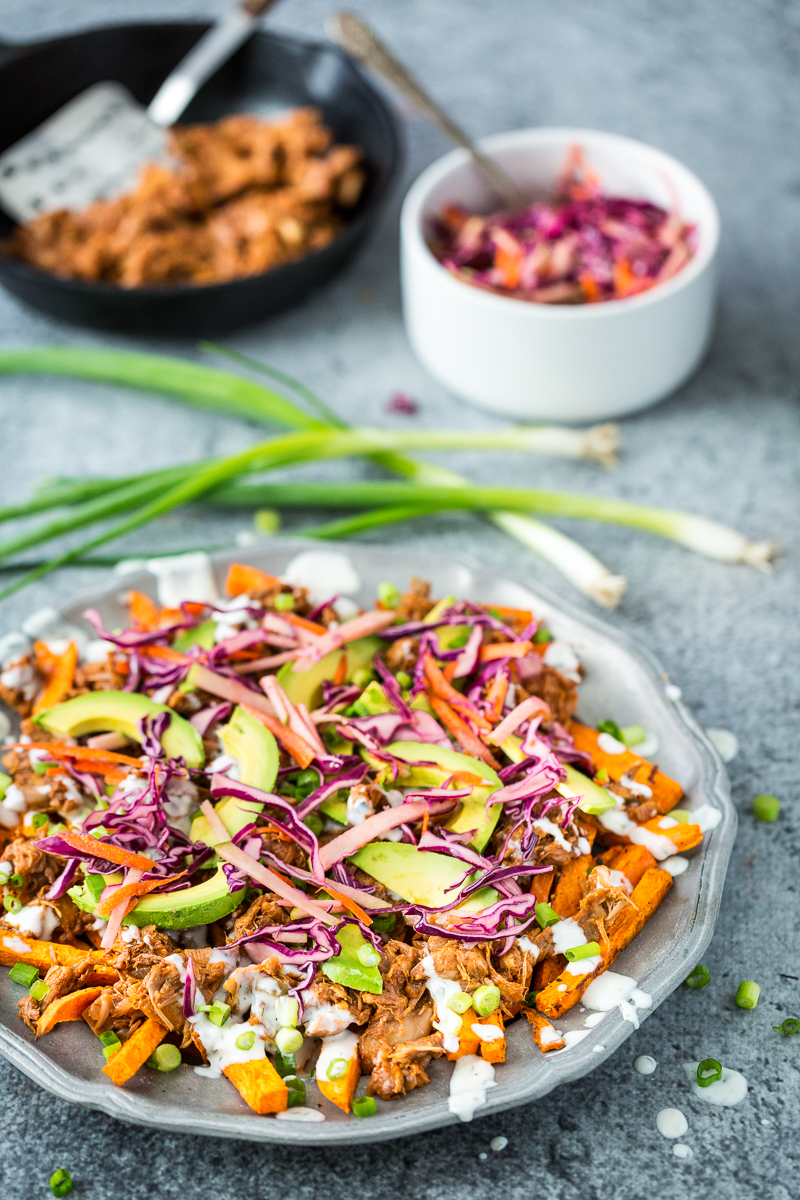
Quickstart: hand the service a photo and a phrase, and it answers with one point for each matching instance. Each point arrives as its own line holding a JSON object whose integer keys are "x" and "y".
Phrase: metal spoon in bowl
{"x": 356, "y": 37}
{"x": 96, "y": 145}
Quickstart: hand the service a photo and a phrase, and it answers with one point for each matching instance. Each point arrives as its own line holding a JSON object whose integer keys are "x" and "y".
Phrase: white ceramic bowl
{"x": 552, "y": 362}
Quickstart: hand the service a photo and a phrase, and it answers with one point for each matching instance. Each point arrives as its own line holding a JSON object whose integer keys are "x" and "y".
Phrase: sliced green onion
{"x": 708, "y": 1072}
{"x": 39, "y": 768}
{"x": 39, "y": 819}
{"x": 610, "y": 727}
{"x": 12, "y": 904}
{"x": 24, "y": 974}
{"x": 16, "y": 880}
{"x": 486, "y": 999}
{"x": 404, "y": 680}
{"x": 542, "y": 636}
{"x": 284, "y": 1064}
{"x": 368, "y": 956}
{"x": 296, "y": 1091}
{"x": 246, "y": 1041}
{"x": 287, "y": 1011}
{"x": 384, "y": 924}
{"x": 288, "y": 1041}
{"x": 284, "y": 602}
{"x": 216, "y": 1013}
{"x": 545, "y": 915}
{"x": 530, "y": 998}
{"x": 362, "y": 677}
{"x": 789, "y": 1026}
{"x": 267, "y": 521}
{"x": 576, "y": 953}
{"x": 337, "y": 1068}
{"x": 60, "y": 1182}
{"x": 765, "y": 807}
{"x": 602, "y": 776}
{"x": 698, "y": 977}
{"x": 110, "y": 1042}
{"x": 460, "y": 1002}
{"x": 632, "y": 735}
{"x": 165, "y": 1057}
{"x": 747, "y": 994}
{"x": 389, "y": 595}
{"x": 364, "y": 1106}
{"x": 315, "y": 823}
{"x": 681, "y": 815}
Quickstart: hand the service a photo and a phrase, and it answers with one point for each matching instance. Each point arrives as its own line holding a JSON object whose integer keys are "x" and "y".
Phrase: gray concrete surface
{"x": 715, "y": 84}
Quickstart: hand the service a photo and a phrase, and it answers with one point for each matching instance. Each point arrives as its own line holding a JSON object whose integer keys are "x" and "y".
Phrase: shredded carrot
{"x": 241, "y": 579}
{"x": 87, "y": 755}
{"x": 175, "y": 616}
{"x": 302, "y": 623}
{"x": 60, "y": 677}
{"x": 590, "y": 287}
{"x": 131, "y": 891}
{"x": 425, "y": 819}
{"x": 445, "y": 690}
{"x": 299, "y": 749}
{"x": 452, "y": 721}
{"x": 105, "y": 850}
{"x": 145, "y": 613}
{"x": 347, "y": 903}
{"x": 496, "y": 695}
{"x": 509, "y": 264}
{"x": 522, "y": 615}
{"x": 341, "y": 670}
{"x": 505, "y": 650}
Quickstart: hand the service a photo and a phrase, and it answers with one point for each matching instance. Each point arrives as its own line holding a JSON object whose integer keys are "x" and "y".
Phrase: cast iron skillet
{"x": 269, "y": 73}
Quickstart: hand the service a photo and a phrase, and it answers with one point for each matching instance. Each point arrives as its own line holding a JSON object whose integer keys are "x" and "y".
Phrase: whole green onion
{"x": 486, "y": 999}
{"x": 576, "y": 953}
{"x": 698, "y": 977}
{"x": 765, "y": 807}
{"x": 165, "y": 1057}
{"x": 708, "y": 1072}
{"x": 747, "y": 994}
{"x": 364, "y": 1106}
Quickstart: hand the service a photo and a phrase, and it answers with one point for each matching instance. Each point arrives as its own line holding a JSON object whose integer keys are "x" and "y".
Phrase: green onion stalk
{"x": 224, "y": 392}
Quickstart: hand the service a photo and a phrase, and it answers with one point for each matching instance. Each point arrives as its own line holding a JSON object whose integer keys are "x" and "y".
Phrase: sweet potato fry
{"x": 666, "y": 792}
{"x": 544, "y": 1035}
{"x": 541, "y": 885}
{"x": 341, "y": 1091}
{"x": 468, "y": 1042}
{"x": 259, "y": 1085}
{"x": 564, "y": 992}
{"x": 630, "y": 861}
{"x": 545, "y": 972}
{"x": 683, "y": 837}
{"x": 14, "y": 948}
{"x": 569, "y": 889}
{"x": 494, "y": 1051}
{"x": 134, "y": 1053}
{"x": 241, "y": 579}
{"x": 66, "y": 1008}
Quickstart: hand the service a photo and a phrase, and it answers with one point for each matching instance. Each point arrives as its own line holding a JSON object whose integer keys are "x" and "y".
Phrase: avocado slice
{"x": 373, "y": 700}
{"x": 202, "y": 635}
{"x": 335, "y": 809}
{"x": 596, "y": 799}
{"x": 256, "y": 751}
{"x": 305, "y": 687}
{"x": 419, "y": 876}
{"x": 472, "y": 812}
{"x": 199, "y": 905}
{"x": 347, "y": 969}
{"x": 121, "y": 712}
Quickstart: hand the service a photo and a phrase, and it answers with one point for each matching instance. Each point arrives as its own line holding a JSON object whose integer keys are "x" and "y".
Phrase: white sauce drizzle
{"x": 610, "y": 745}
{"x": 325, "y": 573}
{"x": 612, "y": 990}
{"x": 729, "y": 1090}
{"x": 446, "y": 1021}
{"x": 546, "y": 826}
{"x": 618, "y": 879}
{"x": 469, "y": 1083}
{"x": 299, "y": 1114}
{"x": 487, "y": 1033}
{"x": 16, "y": 945}
{"x": 675, "y": 865}
{"x": 617, "y": 821}
{"x": 638, "y": 789}
{"x": 648, "y": 747}
{"x": 341, "y": 1045}
{"x": 219, "y": 1043}
{"x": 682, "y": 1151}
{"x": 36, "y": 920}
{"x": 561, "y": 656}
{"x": 727, "y": 743}
{"x": 706, "y": 817}
{"x": 671, "y": 1123}
{"x": 644, "y": 1064}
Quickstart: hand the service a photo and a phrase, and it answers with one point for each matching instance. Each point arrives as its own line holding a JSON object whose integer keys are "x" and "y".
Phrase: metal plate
{"x": 621, "y": 679}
